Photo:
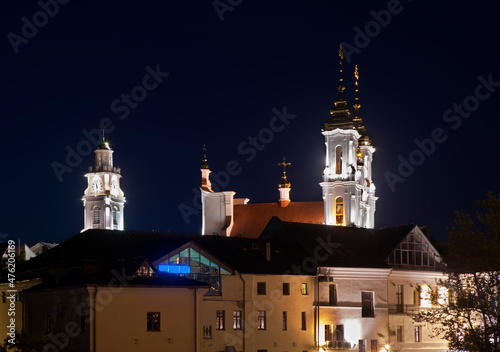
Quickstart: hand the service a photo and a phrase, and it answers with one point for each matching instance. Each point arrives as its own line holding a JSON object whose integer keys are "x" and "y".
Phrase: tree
{"x": 469, "y": 317}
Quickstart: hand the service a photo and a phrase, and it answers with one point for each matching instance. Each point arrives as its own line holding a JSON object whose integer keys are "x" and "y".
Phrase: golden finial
{"x": 204, "y": 164}
{"x": 341, "y": 87}
{"x": 356, "y": 88}
{"x": 284, "y": 182}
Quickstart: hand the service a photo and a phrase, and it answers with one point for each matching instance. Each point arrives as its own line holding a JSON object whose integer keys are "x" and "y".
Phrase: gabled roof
{"x": 346, "y": 246}
{"x": 251, "y": 219}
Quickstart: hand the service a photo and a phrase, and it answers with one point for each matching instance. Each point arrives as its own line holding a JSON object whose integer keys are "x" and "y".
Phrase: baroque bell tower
{"x": 103, "y": 200}
{"x": 348, "y": 190}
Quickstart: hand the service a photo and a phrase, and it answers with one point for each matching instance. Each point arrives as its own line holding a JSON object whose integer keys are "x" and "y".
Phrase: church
{"x": 264, "y": 277}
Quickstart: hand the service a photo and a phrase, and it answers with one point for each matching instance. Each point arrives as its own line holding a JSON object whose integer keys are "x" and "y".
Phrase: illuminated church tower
{"x": 103, "y": 199}
{"x": 348, "y": 191}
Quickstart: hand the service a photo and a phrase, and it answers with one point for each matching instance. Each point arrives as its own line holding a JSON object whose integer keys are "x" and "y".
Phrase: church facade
{"x": 281, "y": 277}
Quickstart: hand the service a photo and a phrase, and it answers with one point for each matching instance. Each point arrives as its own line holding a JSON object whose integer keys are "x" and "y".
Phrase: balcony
{"x": 405, "y": 308}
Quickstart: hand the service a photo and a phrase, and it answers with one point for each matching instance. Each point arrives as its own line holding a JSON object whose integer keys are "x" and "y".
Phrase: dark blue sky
{"x": 225, "y": 78}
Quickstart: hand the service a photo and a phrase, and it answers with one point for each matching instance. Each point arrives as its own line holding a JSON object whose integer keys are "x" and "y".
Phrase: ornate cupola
{"x": 348, "y": 191}
{"x": 103, "y": 200}
{"x": 284, "y": 186}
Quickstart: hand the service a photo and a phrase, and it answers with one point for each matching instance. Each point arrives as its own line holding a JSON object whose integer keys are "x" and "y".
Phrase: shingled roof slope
{"x": 251, "y": 219}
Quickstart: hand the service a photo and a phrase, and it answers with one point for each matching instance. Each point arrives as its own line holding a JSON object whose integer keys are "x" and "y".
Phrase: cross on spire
{"x": 204, "y": 164}
{"x": 103, "y": 130}
{"x": 284, "y": 164}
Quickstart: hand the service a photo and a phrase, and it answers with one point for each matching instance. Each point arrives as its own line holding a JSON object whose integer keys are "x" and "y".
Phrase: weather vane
{"x": 341, "y": 52}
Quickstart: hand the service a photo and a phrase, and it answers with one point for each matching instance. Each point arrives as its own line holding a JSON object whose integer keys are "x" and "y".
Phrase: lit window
{"x": 338, "y": 160}
{"x": 261, "y": 320}
{"x": 339, "y": 211}
{"x": 303, "y": 321}
{"x": 333, "y": 294}
{"x": 286, "y": 288}
{"x": 237, "y": 320}
{"x": 219, "y": 324}
{"x": 418, "y": 333}
{"x": 328, "y": 332}
{"x": 303, "y": 289}
{"x": 426, "y": 296}
{"x": 261, "y": 288}
{"x": 285, "y": 323}
{"x": 367, "y": 309}
{"x": 153, "y": 321}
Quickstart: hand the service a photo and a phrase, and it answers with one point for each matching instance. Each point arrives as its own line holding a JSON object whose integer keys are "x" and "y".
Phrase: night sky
{"x": 226, "y": 80}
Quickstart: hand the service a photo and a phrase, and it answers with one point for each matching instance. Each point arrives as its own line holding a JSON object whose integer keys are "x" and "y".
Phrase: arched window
{"x": 338, "y": 160}
{"x": 105, "y": 160}
{"x": 115, "y": 218}
{"x": 339, "y": 211}
{"x": 97, "y": 216}
{"x": 100, "y": 160}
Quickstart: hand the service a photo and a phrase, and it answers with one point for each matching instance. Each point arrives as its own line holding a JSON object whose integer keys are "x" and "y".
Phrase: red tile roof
{"x": 251, "y": 219}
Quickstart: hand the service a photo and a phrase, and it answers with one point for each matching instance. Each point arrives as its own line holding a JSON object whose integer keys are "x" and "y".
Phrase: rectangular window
{"x": 339, "y": 333}
{"x": 399, "y": 333}
{"x": 48, "y": 324}
{"x": 328, "y": 332}
{"x": 416, "y": 297}
{"x": 83, "y": 323}
{"x": 153, "y": 321}
{"x": 399, "y": 299}
{"x": 207, "y": 331}
{"x": 333, "y": 295}
{"x": 219, "y": 323}
{"x": 303, "y": 321}
{"x": 362, "y": 345}
{"x": 261, "y": 288}
{"x": 285, "y": 323}
{"x": 286, "y": 288}
{"x": 303, "y": 289}
{"x": 237, "y": 320}
{"x": 418, "y": 333}
{"x": 261, "y": 322}
{"x": 261, "y": 350}
{"x": 367, "y": 310}
{"x": 374, "y": 346}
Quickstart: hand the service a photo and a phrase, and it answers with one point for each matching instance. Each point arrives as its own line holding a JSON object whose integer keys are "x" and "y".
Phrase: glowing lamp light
{"x": 174, "y": 269}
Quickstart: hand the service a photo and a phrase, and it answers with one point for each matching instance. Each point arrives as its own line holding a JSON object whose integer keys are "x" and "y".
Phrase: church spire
{"x": 341, "y": 86}
{"x": 204, "y": 164}
{"x": 205, "y": 172}
{"x": 284, "y": 186}
{"x": 358, "y": 121}
{"x": 340, "y": 114}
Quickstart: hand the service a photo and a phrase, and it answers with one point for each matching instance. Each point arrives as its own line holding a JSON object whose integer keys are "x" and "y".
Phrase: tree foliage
{"x": 469, "y": 317}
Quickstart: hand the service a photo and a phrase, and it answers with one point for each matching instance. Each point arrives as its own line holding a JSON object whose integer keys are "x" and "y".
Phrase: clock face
{"x": 96, "y": 186}
{"x": 114, "y": 187}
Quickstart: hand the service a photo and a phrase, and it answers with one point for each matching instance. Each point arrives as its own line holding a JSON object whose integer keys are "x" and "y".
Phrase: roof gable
{"x": 414, "y": 252}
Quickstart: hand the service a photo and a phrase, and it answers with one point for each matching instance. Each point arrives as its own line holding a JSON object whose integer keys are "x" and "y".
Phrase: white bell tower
{"x": 103, "y": 200}
{"x": 348, "y": 190}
